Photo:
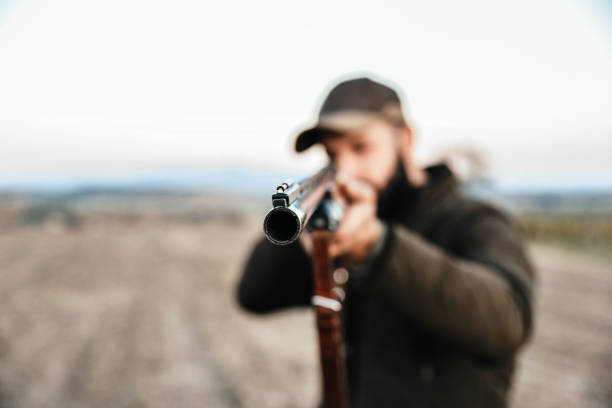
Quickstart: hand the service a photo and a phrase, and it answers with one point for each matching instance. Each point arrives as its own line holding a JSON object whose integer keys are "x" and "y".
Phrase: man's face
{"x": 369, "y": 154}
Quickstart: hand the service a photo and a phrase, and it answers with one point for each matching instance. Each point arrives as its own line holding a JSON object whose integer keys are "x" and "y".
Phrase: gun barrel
{"x": 294, "y": 205}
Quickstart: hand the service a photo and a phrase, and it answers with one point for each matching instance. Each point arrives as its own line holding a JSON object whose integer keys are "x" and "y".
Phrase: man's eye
{"x": 359, "y": 147}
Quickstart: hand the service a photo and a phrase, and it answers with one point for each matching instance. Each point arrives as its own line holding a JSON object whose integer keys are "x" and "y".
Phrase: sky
{"x": 119, "y": 86}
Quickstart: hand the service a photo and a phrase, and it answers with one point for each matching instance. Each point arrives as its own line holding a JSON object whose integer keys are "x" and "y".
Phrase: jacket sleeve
{"x": 479, "y": 300}
{"x": 275, "y": 277}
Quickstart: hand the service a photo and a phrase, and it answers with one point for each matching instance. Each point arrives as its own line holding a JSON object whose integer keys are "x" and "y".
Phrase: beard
{"x": 392, "y": 199}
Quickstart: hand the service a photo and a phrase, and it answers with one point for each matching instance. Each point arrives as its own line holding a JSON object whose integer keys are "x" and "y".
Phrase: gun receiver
{"x": 293, "y": 205}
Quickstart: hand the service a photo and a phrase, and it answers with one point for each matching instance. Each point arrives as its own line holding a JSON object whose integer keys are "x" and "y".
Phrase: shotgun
{"x": 308, "y": 204}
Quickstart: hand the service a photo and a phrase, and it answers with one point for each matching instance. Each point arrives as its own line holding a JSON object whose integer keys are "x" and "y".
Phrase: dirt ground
{"x": 140, "y": 313}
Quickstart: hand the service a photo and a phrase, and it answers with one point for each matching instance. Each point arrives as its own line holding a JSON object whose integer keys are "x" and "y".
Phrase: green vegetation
{"x": 590, "y": 232}
{"x": 49, "y": 211}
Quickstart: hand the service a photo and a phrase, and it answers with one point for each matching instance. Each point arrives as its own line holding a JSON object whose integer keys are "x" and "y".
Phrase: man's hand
{"x": 360, "y": 228}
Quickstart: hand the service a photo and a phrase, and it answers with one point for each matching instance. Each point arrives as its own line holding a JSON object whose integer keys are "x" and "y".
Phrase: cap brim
{"x": 310, "y": 137}
{"x": 333, "y": 124}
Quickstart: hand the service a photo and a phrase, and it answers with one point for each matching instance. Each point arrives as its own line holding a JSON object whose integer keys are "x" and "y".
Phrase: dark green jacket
{"x": 441, "y": 312}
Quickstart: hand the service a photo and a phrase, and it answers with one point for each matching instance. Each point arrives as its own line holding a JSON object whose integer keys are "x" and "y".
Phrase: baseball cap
{"x": 351, "y": 105}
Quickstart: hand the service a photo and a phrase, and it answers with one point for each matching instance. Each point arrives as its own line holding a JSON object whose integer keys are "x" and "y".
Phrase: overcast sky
{"x": 122, "y": 85}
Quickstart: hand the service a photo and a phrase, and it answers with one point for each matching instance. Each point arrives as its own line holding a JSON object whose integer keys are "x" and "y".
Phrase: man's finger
{"x": 352, "y": 221}
{"x": 354, "y": 190}
{"x": 339, "y": 248}
{"x": 344, "y": 237}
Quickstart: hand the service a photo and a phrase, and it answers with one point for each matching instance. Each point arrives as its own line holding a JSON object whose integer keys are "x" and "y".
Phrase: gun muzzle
{"x": 283, "y": 225}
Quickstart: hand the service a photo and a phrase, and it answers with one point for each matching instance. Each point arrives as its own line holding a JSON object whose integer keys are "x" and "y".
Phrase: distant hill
{"x": 595, "y": 199}
{"x": 545, "y": 198}
{"x": 175, "y": 180}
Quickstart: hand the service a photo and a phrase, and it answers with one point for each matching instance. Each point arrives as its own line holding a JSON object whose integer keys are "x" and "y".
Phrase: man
{"x": 439, "y": 298}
